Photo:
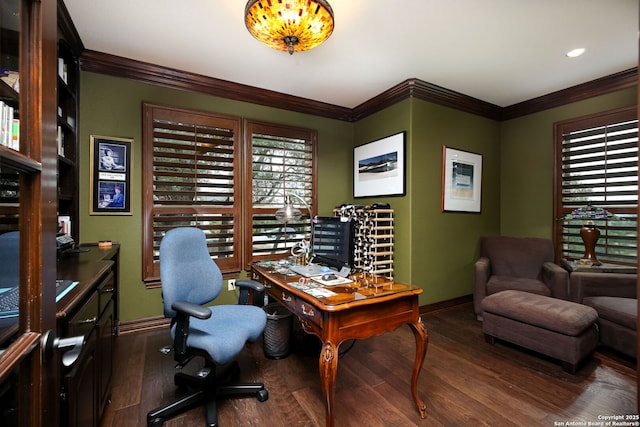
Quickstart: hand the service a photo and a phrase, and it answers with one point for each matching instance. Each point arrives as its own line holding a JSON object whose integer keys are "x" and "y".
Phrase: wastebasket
{"x": 277, "y": 332}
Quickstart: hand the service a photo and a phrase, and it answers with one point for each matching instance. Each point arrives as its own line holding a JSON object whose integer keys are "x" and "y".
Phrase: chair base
{"x": 206, "y": 392}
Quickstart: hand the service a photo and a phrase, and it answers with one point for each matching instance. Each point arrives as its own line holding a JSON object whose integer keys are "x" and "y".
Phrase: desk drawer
{"x": 286, "y": 299}
{"x": 260, "y": 279}
{"x": 83, "y": 322}
{"x": 307, "y": 312}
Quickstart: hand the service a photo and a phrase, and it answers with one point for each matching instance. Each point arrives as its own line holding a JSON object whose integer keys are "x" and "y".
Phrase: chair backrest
{"x": 10, "y": 259}
{"x": 516, "y": 256}
{"x": 187, "y": 271}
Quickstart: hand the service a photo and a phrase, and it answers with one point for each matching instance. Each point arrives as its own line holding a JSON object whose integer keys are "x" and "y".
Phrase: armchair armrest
{"x": 585, "y": 284}
{"x": 557, "y": 279}
{"x": 251, "y": 292}
{"x": 482, "y": 272}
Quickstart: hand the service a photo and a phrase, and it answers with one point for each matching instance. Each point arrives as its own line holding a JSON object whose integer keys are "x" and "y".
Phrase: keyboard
{"x": 9, "y": 300}
{"x": 63, "y": 286}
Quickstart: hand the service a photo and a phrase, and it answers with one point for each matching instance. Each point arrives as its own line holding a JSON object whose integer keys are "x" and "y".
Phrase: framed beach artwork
{"x": 379, "y": 167}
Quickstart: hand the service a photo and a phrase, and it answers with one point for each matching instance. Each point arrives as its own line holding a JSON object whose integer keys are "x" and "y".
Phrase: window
{"x": 192, "y": 170}
{"x": 597, "y": 164}
{"x": 281, "y": 161}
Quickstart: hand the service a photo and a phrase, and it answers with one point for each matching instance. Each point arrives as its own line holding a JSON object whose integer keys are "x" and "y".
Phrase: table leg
{"x": 328, "y": 371}
{"x": 422, "y": 340}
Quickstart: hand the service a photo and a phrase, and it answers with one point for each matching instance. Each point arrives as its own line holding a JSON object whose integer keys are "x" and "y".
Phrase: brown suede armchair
{"x": 519, "y": 263}
{"x": 614, "y": 296}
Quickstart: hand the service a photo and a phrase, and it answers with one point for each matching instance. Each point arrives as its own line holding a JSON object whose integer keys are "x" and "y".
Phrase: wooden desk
{"x": 355, "y": 311}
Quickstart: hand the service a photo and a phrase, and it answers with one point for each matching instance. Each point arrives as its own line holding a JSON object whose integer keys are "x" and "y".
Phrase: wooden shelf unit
{"x": 374, "y": 239}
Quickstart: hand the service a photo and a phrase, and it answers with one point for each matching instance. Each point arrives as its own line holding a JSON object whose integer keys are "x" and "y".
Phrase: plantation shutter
{"x": 599, "y": 167}
{"x": 282, "y": 162}
{"x": 191, "y": 178}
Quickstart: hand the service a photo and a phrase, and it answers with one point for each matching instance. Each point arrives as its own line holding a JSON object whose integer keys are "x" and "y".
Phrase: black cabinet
{"x": 89, "y": 310}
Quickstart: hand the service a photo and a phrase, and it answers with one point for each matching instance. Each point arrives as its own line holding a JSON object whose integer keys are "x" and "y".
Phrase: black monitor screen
{"x": 332, "y": 242}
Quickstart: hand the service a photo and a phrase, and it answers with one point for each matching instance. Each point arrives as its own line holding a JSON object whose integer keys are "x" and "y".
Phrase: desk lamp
{"x": 288, "y": 212}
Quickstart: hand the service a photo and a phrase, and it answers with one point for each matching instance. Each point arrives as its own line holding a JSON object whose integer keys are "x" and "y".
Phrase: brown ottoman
{"x": 560, "y": 329}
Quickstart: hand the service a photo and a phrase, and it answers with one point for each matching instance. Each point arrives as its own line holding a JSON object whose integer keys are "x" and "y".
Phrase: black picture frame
{"x": 111, "y": 168}
{"x": 379, "y": 167}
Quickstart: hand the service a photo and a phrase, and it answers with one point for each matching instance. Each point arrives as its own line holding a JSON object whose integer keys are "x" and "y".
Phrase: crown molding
{"x": 416, "y": 88}
{"x": 176, "y": 79}
{"x": 602, "y": 86}
{"x": 117, "y": 66}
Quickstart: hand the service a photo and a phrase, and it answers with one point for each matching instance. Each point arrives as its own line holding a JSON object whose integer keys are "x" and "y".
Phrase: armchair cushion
{"x": 503, "y": 283}
{"x": 516, "y": 256}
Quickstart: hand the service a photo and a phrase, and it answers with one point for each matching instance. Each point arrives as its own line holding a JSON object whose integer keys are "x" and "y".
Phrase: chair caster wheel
{"x": 262, "y": 395}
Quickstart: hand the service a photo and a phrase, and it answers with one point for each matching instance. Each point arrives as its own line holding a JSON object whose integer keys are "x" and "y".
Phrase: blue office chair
{"x": 190, "y": 278}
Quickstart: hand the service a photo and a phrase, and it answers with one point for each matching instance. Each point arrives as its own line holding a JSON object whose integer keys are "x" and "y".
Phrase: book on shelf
{"x": 64, "y": 224}
{"x": 62, "y": 69}
{"x": 60, "y": 141}
{"x": 6, "y": 126}
{"x": 15, "y": 134}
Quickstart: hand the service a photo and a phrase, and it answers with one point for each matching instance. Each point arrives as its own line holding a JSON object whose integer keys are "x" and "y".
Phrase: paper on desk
{"x": 320, "y": 292}
{"x": 334, "y": 282}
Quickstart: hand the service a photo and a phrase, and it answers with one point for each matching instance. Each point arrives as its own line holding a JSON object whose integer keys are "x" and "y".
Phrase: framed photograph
{"x": 379, "y": 167}
{"x": 110, "y": 175}
{"x": 461, "y": 180}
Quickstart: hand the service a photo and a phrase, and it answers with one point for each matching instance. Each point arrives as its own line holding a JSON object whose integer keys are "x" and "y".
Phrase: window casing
{"x": 192, "y": 176}
{"x": 597, "y": 164}
{"x": 280, "y": 160}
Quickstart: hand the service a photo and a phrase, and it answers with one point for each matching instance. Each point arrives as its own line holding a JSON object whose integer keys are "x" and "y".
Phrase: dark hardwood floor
{"x": 464, "y": 382}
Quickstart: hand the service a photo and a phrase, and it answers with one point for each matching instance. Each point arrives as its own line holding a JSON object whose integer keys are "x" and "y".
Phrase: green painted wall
{"x": 444, "y": 244}
{"x": 112, "y": 106}
{"x": 433, "y": 249}
{"x": 527, "y": 163}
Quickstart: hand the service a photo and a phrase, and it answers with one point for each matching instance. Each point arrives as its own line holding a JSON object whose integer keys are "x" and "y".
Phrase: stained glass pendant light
{"x": 289, "y": 25}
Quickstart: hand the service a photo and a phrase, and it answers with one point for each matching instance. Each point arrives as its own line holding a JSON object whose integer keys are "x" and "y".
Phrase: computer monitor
{"x": 332, "y": 242}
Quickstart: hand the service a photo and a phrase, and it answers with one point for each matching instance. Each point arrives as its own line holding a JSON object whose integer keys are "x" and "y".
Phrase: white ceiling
{"x": 499, "y": 51}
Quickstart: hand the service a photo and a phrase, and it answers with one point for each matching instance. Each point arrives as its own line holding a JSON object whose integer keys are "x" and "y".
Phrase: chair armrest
{"x": 195, "y": 310}
{"x": 482, "y": 272}
{"x": 557, "y": 279}
{"x": 250, "y": 284}
{"x": 251, "y": 292}
{"x": 585, "y": 284}
{"x": 184, "y": 310}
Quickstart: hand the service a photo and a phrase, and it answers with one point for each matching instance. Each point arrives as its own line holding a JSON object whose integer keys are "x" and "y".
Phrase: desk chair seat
{"x": 222, "y": 335}
{"x": 190, "y": 278}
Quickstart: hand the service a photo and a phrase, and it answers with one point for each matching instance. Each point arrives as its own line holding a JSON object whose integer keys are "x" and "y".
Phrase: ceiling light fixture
{"x": 289, "y": 25}
{"x": 575, "y": 52}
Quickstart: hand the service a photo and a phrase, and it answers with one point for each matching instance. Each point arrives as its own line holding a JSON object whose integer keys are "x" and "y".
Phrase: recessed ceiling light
{"x": 575, "y": 52}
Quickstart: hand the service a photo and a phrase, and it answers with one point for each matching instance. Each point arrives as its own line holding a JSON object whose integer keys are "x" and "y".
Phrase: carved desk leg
{"x": 422, "y": 340}
{"x": 328, "y": 370}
